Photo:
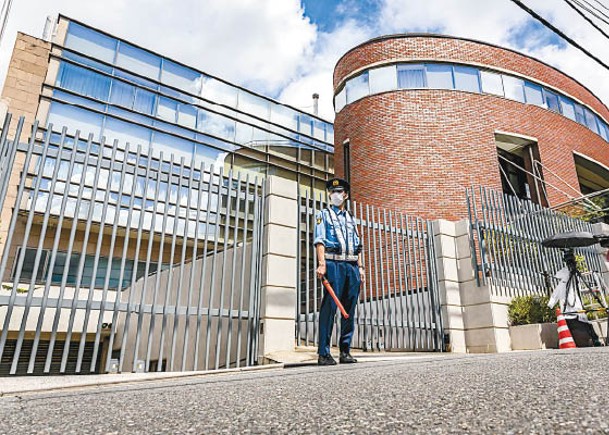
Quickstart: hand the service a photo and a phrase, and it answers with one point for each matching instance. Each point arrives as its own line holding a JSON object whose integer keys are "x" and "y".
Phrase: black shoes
{"x": 346, "y": 358}
{"x": 326, "y": 360}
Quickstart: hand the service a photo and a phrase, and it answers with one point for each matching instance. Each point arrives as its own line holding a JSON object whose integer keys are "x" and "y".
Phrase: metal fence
{"x": 116, "y": 259}
{"x": 399, "y": 306}
{"x": 506, "y": 243}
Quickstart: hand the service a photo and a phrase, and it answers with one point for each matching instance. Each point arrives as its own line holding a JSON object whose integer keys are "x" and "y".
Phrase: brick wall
{"x": 26, "y": 73}
{"x": 404, "y": 47}
{"x": 417, "y": 150}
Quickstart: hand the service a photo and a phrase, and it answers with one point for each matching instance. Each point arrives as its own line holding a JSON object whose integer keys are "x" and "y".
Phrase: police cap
{"x": 337, "y": 184}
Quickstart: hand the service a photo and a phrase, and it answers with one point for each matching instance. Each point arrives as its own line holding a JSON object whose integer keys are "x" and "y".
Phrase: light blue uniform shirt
{"x": 325, "y": 233}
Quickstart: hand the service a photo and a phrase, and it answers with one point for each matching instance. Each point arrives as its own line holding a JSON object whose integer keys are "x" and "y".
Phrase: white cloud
{"x": 497, "y": 22}
{"x": 260, "y": 44}
{"x": 270, "y": 47}
{"x": 316, "y": 75}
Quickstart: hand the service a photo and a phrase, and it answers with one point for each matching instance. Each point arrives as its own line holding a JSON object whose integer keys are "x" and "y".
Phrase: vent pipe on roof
{"x": 315, "y": 104}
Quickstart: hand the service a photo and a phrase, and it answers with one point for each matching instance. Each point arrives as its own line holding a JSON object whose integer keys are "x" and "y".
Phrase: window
{"x": 411, "y": 76}
{"x": 284, "y": 116}
{"x": 172, "y": 145}
{"x": 187, "y": 116}
{"x": 216, "y": 125}
{"x": 551, "y": 100}
{"x": 210, "y": 156}
{"x": 122, "y": 94}
{"x": 218, "y": 92}
{"x": 138, "y": 61}
{"x": 181, "y": 77}
{"x": 305, "y": 124}
{"x": 567, "y": 108}
{"x": 603, "y": 130}
{"x": 514, "y": 88}
{"x": 340, "y": 100}
{"x": 84, "y": 82}
{"x": 533, "y": 94}
{"x": 590, "y": 120}
{"x": 440, "y": 76}
{"x": 244, "y": 134}
{"x": 357, "y": 87}
{"x": 466, "y": 79}
{"x": 383, "y": 79}
{"x": 491, "y": 83}
{"x": 579, "y": 114}
{"x": 74, "y": 119}
{"x": 27, "y": 269}
{"x": 90, "y": 42}
{"x": 126, "y": 132}
{"x": 253, "y": 105}
{"x": 167, "y": 109}
{"x": 144, "y": 101}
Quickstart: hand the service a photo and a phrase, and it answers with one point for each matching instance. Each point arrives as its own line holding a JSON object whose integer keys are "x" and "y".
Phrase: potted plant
{"x": 532, "y": 323}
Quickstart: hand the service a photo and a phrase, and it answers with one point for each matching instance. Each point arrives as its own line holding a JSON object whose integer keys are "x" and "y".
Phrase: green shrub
{"x": 526, "y": 310}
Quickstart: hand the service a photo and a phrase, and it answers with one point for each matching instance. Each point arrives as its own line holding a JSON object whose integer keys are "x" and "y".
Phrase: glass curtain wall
{"x": 117, "y": 91}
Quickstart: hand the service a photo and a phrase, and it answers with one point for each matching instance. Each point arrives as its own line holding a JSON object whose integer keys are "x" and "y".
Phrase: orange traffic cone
{"x": 565, "y": 340}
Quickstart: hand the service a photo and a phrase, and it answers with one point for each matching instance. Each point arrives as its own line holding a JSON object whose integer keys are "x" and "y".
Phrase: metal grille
{"x": 122, "y": 258}
{"x": 506, "y": 243}
{"x": 399, "y": 306}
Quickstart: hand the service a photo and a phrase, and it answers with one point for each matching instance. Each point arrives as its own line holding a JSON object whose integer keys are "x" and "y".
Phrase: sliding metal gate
{"x": 507, "y": 253}
{"x": 114, "y": 259}
{"x": 399, "y": 305}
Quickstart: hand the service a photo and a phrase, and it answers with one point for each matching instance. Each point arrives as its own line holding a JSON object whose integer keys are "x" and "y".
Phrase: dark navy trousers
{"x": 345, "y": 279}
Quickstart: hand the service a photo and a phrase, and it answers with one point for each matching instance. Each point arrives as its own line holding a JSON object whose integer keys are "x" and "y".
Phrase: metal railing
{"x": 506, "y": 243}
{"x": 124, "y": 260}
{"x": 399, "y": 306}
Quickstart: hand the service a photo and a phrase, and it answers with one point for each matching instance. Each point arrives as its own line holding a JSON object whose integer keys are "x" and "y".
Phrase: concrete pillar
{"x": 279, "y": 268}
{"x": 447, "y": 259}
{"x": 474, "y": 318}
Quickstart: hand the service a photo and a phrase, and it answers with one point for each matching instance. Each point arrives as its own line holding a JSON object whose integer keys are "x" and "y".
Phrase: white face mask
{"x": 336, "y": 199}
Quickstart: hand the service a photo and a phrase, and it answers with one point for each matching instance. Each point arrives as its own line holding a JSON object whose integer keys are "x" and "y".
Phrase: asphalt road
{"x": 530, "y": 392}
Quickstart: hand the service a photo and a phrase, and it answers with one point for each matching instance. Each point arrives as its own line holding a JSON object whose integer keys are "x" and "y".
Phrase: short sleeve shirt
{"x": 325, "y": 233}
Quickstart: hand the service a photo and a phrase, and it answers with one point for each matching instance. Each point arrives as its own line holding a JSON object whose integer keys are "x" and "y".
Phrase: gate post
{"x": 449, "y": 240}
{"x": 279, "y": 268}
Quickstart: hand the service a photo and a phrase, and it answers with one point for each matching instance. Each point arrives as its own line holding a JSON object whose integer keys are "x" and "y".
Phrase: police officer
{"x": 338, "y": 255}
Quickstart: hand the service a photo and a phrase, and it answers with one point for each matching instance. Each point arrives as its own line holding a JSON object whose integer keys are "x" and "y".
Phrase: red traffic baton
{"x": 330, "y": 291}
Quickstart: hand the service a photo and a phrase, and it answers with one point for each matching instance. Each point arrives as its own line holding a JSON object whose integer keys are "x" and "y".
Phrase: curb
{"x": 153, "y": 377}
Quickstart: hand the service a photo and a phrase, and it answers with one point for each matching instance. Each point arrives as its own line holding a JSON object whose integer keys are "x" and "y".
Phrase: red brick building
{"x": 421, "y": 117}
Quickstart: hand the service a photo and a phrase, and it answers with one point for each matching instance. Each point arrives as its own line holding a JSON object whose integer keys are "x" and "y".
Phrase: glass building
{"x": 112, "y": 89}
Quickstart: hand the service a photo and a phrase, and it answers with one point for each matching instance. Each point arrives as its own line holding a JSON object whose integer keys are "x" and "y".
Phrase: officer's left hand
{"x": 362, "y": 275}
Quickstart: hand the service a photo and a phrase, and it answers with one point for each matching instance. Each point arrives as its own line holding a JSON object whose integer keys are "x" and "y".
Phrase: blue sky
{"x": 287, "y": 49}
{"x": 328, "y": 14}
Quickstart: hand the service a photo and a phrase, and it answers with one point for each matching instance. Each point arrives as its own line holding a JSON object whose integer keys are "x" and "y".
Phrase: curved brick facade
{"x": 416, "y": 150}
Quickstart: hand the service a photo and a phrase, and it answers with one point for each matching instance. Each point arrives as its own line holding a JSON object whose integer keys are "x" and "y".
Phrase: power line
{"x": 558, "y": 32}
{"x": 602, "y": 5}
{"x": 590, "y": 9}
{"x": 585, "y": 17}
{"x": 596, "y": 9}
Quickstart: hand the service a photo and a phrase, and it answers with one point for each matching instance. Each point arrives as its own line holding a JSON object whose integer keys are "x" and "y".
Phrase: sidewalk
{"x": 18, "y": 385}
{"x": 307, "y": 355}
{"x": 303, "y": 356}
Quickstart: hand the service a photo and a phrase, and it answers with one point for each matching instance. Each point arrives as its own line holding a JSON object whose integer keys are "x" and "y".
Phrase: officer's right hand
{"x": 321, "y": 270}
